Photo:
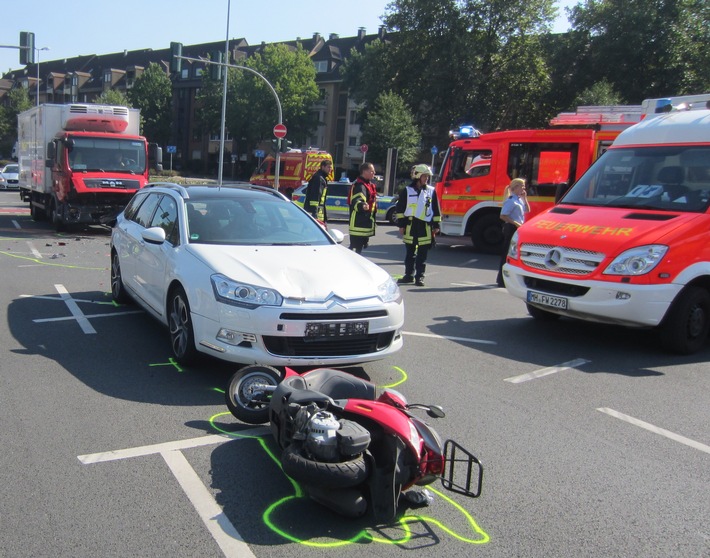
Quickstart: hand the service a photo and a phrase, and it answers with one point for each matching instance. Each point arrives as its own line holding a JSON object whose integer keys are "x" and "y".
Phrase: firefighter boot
{"x": 406, "y": 280}
{"x": 419, "y": 282}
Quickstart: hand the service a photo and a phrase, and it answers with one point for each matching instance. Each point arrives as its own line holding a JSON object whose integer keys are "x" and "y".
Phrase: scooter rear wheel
{"x": 245, "y": 396}
{"x": 319, "y": 473}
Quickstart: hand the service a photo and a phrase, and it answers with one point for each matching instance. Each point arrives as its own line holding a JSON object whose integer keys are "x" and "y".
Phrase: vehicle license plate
{"x": 547, "y": 300}
{"x": 336, "y": 329}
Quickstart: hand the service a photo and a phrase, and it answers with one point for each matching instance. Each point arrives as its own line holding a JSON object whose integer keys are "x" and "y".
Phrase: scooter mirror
{"x": 436, "y": 411}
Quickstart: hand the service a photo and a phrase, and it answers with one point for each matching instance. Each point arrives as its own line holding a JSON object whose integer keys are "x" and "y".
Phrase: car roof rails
{"x": 171, "y": 185}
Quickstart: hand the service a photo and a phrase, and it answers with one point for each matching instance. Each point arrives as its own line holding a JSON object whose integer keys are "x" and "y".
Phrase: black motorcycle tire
{"x": 302, "y": 469}
{"x": 238, "y": 397}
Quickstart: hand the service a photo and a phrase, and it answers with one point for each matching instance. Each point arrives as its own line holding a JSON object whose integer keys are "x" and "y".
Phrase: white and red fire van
{"x": 629, "y": 244}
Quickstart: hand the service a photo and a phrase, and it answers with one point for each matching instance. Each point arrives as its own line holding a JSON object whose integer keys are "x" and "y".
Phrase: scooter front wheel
{"x": 345, "y": 474}
{"x": 248, "y": 395}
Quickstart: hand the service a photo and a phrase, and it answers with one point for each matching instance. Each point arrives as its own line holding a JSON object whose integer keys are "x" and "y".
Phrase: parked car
{"x": 9, "y": 176}
{"x": 241, "y": 273}
{"x": 337, "y": 202}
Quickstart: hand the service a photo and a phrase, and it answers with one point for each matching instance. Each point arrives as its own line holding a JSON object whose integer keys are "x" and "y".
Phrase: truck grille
{"x": 112, "y": 183}
{"x": 570, "y": 261}
{"x": 329, "y": 346}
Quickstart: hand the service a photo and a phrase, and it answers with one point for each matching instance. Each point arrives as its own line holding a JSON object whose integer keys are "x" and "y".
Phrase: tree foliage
{"x": 391, "y": 124}
{"x": 646, "y": 48}
{"x": 18, "y": 101}
{"x": 152, "y": 94}
{"x": 251, "y": 106}
{"x": 113, "y": 97}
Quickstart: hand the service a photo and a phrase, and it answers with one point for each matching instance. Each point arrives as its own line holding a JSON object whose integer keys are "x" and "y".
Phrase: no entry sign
{"x": 280, "y": 131}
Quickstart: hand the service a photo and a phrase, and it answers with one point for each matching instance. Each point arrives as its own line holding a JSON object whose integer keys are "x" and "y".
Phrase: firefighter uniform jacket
{"x": 316, "y": 195}
{"x": 362, "y": 223}
{"x": 418, "y": 213}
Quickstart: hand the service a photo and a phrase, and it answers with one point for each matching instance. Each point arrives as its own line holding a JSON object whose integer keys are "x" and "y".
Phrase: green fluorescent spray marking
{"x": 363, "y": 535}
{"x": 171, "y": 362}
{"x": 50, "y": 263}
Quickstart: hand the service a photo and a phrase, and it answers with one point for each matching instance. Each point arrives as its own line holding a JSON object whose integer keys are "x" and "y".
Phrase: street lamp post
{"x": 37, "y": 50}
{"x": 224, "y": 100}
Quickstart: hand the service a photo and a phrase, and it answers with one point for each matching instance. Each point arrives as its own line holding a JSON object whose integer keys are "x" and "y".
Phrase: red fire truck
{"x": 477, "y": 167}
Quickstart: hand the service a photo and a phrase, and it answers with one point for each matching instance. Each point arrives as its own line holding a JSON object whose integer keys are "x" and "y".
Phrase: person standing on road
{"x": 363, "y": 208}
{"x": 513, "y": 216}
{"x": 317, "y": 190}
{"x": 418, "y": 218}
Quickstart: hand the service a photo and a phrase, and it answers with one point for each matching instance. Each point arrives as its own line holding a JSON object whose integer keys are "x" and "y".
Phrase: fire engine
{"x": 477, "y": 168}
{"x": 629, "y": 244}
{"x": 297, "y": 168}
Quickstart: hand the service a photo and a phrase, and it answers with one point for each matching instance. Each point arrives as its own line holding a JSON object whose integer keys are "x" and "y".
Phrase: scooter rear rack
{"x": 459, "y": 479}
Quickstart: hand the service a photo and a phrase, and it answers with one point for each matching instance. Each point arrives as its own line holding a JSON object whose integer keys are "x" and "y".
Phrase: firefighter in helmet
{"x": 418, "y": 218}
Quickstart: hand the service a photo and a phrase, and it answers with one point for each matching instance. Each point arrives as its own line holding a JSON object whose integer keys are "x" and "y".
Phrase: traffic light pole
{"x": 224, "y": 105}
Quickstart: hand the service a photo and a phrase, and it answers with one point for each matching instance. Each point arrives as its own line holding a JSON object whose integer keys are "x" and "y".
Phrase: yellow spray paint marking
{"x": 42, "y": 262}
{"x": 364, "y": 535}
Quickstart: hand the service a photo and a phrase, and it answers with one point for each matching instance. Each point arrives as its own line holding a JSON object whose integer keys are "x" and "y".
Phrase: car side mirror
{"x": 336, "y": 235}
{"x": 154, "y": 235}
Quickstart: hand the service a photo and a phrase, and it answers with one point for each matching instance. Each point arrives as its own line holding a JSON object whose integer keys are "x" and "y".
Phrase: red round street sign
{"x": 363, "y": 148}
{"x": 280, "y": 131}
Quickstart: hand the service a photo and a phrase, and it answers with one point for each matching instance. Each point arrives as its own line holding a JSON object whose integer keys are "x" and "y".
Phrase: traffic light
{"x": 285, "y": 145}
{"x": 27, "y": 47}
{"x": 276, "y": 145}
{"x": 215, "y": 69}
{"x": 175, "y": 62}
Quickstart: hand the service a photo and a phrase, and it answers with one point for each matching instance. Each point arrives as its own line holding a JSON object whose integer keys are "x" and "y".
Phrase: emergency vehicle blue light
{"x": 465, "y": 131}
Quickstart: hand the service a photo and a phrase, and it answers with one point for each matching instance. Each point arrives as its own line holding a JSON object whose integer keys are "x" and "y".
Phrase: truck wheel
{"x": 246, "y": 397}
{"x": 487, "y": 234}
{"x": 303, "y": 469}
{"x": 542, "y": 315}
{"x": 685, "y": 328}
{"x": 59, "y": 225}
{"x": 182, "y": 336}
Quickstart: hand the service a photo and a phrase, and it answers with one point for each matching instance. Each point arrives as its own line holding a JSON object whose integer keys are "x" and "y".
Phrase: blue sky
{"x": 79, "y": 27}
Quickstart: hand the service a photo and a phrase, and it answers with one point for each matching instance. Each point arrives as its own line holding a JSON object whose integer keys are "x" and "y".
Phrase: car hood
{"x": 313, "y": 273}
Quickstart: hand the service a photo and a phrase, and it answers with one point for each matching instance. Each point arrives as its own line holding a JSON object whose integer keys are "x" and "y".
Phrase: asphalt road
{"x": 595, "y": 442}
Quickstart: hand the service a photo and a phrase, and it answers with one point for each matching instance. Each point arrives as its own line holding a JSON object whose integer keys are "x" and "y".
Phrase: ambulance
{"x": 629, "y": 244}
{"x": 477, "y": 167}
{"x": 297, "y": 168}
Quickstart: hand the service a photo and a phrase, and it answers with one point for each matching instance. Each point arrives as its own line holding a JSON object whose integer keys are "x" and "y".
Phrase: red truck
{"x": 81, "y": 163}
{"x": 477, "y": 167}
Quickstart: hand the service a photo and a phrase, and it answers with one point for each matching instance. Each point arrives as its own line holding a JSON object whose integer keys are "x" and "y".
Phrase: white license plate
{"x": 547, "y": 300}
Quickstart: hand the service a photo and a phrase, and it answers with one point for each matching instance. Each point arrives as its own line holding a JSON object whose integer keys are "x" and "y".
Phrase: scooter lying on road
{"x": 352, "y": 449}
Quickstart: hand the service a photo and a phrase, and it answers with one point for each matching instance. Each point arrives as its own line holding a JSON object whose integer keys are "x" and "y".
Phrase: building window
{"x": 353, "y": 117}
{"x": 185, "y": 73}
{"x": 107, "y": 76}
{"x": 199, "y": 72}
{"x": 321, "y": 66}
{"x": 352, "y": 141}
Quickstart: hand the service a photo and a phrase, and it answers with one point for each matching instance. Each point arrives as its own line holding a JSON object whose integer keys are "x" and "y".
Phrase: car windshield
{"x": 12, "y": 169}
{"x": 665, "y": 178}
{"x": 251, "y": 220}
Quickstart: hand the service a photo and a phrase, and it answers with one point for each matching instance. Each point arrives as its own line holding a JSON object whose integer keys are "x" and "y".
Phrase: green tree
{"x": 18, "y": 101}
{"x": 601, "y": 93}
{"x": 646, "y": 48}
{"x": 391, "y": 124}
{"x": 152, "y": 94}
{"x": 113, "y": 97}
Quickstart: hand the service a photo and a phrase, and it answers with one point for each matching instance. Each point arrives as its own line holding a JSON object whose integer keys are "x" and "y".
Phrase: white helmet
{"x": 421, "y": 169}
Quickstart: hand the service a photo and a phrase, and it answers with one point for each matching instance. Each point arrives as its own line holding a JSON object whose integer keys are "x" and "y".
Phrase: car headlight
{"x": 237, "y": 293}
{"x": 637, "y": 261}
{"x": 513, "y": 248}
{"x": 389, "y": 291}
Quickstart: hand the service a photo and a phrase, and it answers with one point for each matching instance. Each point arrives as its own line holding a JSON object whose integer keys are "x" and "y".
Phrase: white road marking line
{"x": 655, "y": 429}
{"x": 16, "y": 224}
{"x": 34, "y": 251}
{"x": 211, "y": 439}
{"x": 83, "y": 322}
{"x": 212, "y": 515}
{"x": 547, "y": 371}
{"x": 65, "y": 318}
{"x": 485, "y": 285}
{"x": 450, "y": 338}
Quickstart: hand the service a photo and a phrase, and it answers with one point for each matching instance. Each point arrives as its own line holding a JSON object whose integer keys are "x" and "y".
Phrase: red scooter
{"x": 354, "y": 450}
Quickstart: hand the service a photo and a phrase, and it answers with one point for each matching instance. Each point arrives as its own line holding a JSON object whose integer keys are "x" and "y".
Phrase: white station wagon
{"x": 241, "y": 273}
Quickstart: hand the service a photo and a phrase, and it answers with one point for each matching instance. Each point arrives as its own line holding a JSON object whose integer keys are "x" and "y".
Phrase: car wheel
{"x": 487, "y": 234}
{"x": 182, "y": 336}
{"x": 246, "y": 397}
{"x": 301, "y": 468}
{"x": 685, "y": 328}
{"x": 118, "y": 291}
{"x": 542, "y": 315}
{"x": 392, "y": 216}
